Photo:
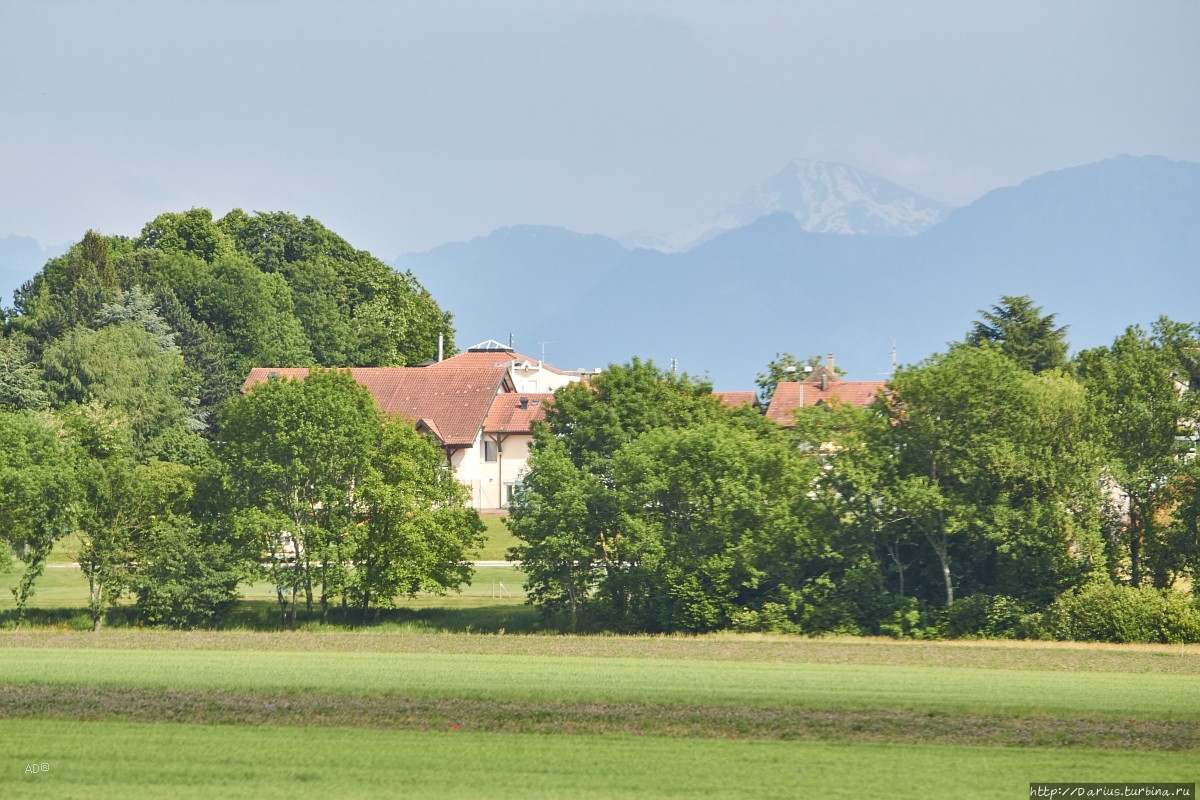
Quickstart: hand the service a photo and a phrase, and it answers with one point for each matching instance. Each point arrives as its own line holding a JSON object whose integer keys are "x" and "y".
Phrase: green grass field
{"x": 101, "y": 760}
{"x": 451, "y": 696}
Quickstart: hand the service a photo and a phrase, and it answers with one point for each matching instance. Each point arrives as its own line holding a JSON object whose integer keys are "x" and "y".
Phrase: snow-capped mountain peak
{"x": 824, "y": 197}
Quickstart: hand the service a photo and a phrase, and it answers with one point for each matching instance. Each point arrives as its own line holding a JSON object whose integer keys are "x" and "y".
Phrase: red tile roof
{"x": 735, "y": 399}
{"x": 451, "y": 401}
{"x": 790, "y": 395}
{"x": 496, "y": 359}
{"x": 515, "y": 413}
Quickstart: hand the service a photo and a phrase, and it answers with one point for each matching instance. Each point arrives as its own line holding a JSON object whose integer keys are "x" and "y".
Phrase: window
{"x": 489, "y": 450}
{"x": 509, "y": 489}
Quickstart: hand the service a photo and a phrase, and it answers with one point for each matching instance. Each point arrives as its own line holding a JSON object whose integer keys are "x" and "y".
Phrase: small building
{"x": 821, "y": 386}
{"x": 480, "y": 406}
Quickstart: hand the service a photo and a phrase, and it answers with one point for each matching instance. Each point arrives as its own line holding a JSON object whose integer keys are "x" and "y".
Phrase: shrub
{"x": 772, "y": 618}
{"x": 991, "y": 616}
{"x": 1104, "y": 612}
{"x": 185, "y": 583}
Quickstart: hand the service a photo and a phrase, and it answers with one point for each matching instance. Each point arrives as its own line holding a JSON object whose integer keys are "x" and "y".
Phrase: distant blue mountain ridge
{"x": 20, "y": 259}
{"x": 1104, "y": 246}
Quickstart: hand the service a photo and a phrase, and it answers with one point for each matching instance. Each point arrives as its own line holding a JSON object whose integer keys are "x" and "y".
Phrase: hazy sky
{"x": 405, "y": 125}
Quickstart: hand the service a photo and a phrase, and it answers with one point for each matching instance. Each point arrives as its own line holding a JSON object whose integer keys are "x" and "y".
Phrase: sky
{"x": 404, "y": 125}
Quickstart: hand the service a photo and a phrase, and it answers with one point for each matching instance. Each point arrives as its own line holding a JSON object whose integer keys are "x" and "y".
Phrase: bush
{"x": 772, "y": 618}
{"x": 185, "y": 583}
{"x": 912, "y": 620}
{"x": 990, "y": 616}
{"x": 1104, "y": 612}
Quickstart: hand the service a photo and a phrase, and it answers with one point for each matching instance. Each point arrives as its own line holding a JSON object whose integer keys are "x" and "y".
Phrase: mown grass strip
{"x": 581, "y": 718}
{"x": 616, "y": 680}
{"x": 999, "y": 655}
{"x": 103, "y": 760}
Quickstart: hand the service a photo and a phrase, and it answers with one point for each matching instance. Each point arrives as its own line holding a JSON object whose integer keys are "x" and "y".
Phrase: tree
{"x": 21, "y": 387}
{"x": 121, "y": 501}
{"x": 342, "y": 501}
{"x": 37, "y": 493}
{"x": 355, "y": 309}
{"x": 1023, "y": 334}
{"x": 125, "y": 367}
{"x": 649, "y": 506}
{"x": 184, "y": 579}
{"x": 554, "y": 514}
{"x": 415, "y": 528}
{"x": 297, "y": 453}
{"x": 995, "y": 473}
{"x": 1139, "y": 389}
{"x": 192, "y": 232}
{"x": 714, "y": 520}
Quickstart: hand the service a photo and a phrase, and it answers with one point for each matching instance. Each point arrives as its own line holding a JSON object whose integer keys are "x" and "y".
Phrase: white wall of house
{"x": 490, "y": 469}
{"x": 530, "y": 377}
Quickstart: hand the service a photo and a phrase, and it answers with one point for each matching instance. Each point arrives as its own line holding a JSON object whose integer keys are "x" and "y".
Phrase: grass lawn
{"x": 377, "y": 713}
{"x": 499, "y": 539}
{"x": 540, "y": 678}
{"x": 100, "y": 760}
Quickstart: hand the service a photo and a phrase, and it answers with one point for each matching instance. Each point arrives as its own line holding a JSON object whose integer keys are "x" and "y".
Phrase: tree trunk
{"x": 1135, "y": 544}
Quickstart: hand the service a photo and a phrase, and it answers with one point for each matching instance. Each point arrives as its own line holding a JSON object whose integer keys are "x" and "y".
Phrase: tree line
{"x": 122, "y": 425}
{"x": 996, "y": 489}
{"x": 999, "y": 488}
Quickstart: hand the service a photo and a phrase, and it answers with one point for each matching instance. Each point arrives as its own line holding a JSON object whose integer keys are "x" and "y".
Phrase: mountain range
{"x": 819, "y": 259}
{"x": 837, "y": 262}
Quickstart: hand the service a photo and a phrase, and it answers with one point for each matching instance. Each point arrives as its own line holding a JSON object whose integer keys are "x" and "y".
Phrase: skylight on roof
{"x": 489, "y": 346}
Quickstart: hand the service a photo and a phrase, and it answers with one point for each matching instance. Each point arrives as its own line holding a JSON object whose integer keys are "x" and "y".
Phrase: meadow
{"x": 446, "y": 699}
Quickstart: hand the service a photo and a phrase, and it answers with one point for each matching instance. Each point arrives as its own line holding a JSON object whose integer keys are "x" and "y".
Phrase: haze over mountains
{"x": 819, "y": 258}
{"x": 823, "y": 197}
{"x": 836, "y": 262}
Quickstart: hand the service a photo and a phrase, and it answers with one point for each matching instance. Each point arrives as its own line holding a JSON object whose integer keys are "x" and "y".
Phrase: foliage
{"x": 1106, "y": 612}
{"x": 1138, "y": 389}
{"x": 37, "y": 493}
{"x": 184, "y": 580}
{"x": 21, "y": 384}
{"x": 649, "y": 506}
{"x": 1023, "y": 334}
{"x": 995, "y": 474}
{"x": 125, "y": 368}
{"x": 341, "y": 501}
{"x": 296, "y": 451}
{"x": 417, "y": 529}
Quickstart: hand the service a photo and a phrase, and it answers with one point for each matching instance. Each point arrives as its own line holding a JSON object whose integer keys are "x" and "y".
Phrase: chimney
{"x": 441, "y": 342}
{"x": 831, "y": 362}
{"x": 524, "y": 403}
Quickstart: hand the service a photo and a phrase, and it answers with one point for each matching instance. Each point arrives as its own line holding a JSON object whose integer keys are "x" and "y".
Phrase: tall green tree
{"x": 125, "y": 367}
{"x": 121, "y": 500}
{"x": 38, "y": 493}
{"x": 297, "y": 453}
{"x": 21, "y": 384}
{"x": 415, "y": 528}
{"x": 649, "y": 506}
{"x": 1139, "y": 388}
{"x": 996, "y": 474}
{"x": 355, "y": 309}
{"x": 1023, "y": 333}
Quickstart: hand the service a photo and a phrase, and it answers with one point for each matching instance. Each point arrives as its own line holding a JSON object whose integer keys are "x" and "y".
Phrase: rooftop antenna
{"x": 674, "y": 365}
{"x": 893, "y": 372}
{"x": 510, "y": 340}
{"x": 543, "y": 345}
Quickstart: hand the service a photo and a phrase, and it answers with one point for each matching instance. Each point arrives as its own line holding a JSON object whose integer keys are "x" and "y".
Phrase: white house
{"x": 480, "y": 406}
